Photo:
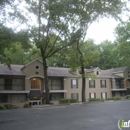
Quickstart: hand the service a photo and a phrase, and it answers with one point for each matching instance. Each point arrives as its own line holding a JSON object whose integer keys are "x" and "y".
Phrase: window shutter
{"x": 94, "y": 83}
{"x": 77, "y": 96}
{"x": 89, "y": 95}
{"x": 71, "y": 83}
{"x": 101, "y": 95}
{"x": 76, "y": 83}
{"x": 101, "y": 83}
{"x": 105, "y": 84}
{"x": 106, "y": 95}
{"x": 94, "y": 95}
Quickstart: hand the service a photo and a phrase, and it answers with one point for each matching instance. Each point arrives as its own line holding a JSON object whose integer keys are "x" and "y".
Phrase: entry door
{"x": 35, "y": 83}
{"x": 104, "y": 95}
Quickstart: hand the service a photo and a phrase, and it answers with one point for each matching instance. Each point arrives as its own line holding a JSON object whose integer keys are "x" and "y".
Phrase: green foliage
{"x": 117, "y": 98}
{"x": 67, "y": 101}
{"x": 115, "y": 54}
{"x": 73, "y": 101}
{"x": 112, "y": 98}
{"x": 94, "y": 99}
{"x": 84, "y": 54}
{"x": 9, "y": 106}
{"x": 64, "y": 101}
{"x": 26, "y": 106}
{"x": 2, "y": 108}
{"x": 18, "y": 55}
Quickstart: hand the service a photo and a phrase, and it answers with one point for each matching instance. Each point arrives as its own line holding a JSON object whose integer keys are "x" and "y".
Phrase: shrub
{"x": 26, "y": 106}
{"x": 62, "y": 101}
{"x": 94, "y": 99}
{"x": 73, "y": 100}
{"x": 9, "y": 106}
{"x": 2, "y": 108}
{"x": 112, "y": 98}
{"x": 51, "y": 103}
{"x": 65, "y": 101}
{"x": 117, "y": 98}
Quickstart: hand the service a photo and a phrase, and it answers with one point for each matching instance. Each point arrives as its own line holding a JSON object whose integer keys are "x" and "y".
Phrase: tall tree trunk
{"x": 46, "y": 82}
{"x": 45, "y": 67}
{"x": 83, "y": 84}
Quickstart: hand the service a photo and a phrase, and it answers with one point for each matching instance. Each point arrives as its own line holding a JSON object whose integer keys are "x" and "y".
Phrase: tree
{"x": 107, "y": 51}
{"x": 82, "y": 56}
{"x": 9, "y": 37}
{"x": 64, "y": 25}
{"x": 122, "y": 32}
{"x": 61, "y": 23}
{"x": 18, "y": 54}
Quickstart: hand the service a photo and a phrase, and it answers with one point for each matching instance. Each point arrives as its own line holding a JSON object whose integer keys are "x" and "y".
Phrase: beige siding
{"x": 67, "y": 86}
{"x": 127, "y": 73}
{"x": 98, "y": 88}
{"x": 30, "y": 70}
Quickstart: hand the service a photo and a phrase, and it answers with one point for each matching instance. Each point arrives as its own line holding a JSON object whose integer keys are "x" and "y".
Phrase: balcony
{"x": 118, "y": 89}
{"x": 13, "y": 92}
{"x": 57, "y": 91}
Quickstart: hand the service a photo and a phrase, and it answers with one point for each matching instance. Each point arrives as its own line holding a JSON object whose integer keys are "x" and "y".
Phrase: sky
{"x": 102, "y": 30}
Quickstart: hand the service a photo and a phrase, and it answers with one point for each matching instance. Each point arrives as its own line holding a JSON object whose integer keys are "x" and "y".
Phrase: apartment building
{"x": 25, "y": 83}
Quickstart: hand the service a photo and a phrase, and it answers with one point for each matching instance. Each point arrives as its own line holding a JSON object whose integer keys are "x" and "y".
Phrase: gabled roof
{"x": 31, "y": 63}
{"x": 110, "y": 73}
{"x": 90, "y": 70}
{"x": 52, "y": 71}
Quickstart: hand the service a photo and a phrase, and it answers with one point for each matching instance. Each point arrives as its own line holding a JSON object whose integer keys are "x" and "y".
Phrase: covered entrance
{"x": 35, "y": 96}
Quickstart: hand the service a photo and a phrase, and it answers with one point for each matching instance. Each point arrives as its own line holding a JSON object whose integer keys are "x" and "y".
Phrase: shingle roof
{"x": 15, "y": 70}
{"x": 90, "y": 70}
{"x": 112, "y": 72}
{"x": 60, "y": 72}
{"x": 52, "y": 71}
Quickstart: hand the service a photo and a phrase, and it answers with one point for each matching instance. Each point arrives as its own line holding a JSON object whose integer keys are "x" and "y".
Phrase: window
{"x": 103, "y": 95}
{"x": 97, "y": 72}
{"x": 3, "y": 98}
{"x": 55, "y": 84}
{"x": 74, "y": 96}
{"x": 91, "y": 83}
{"x": 18, "y": 84}
{"x": 35, "y": 83}
{"x": 37, "y": 67}
{"x": 103, "y": 83}
{"x": 8, "y": 84}
{"x": 1, "y": 83}
{"x": 55, "y": 96}
{"x": 74, "y": 83}
{"x": 92, "y": 95}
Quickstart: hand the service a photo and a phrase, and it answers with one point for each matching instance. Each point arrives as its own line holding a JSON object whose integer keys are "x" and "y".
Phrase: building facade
{"x": 25, "y": 83}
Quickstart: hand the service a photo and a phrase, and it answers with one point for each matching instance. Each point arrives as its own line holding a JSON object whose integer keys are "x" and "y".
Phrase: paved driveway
{"x": 91, "y": 116}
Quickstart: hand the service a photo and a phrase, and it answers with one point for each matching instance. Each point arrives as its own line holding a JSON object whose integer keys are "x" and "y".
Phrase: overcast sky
{"x": 102, "y": 30}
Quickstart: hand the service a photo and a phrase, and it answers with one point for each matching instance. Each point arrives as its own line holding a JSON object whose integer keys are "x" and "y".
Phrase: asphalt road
{"x": 91, "y": 116}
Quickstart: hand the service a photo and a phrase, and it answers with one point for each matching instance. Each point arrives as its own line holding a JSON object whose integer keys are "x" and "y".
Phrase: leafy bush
{"x": 9, "y": 106}
{"x": 62, "y": 101}
{"x": 2, "y": 108}
{"x": 65, "y": 101}
{"x": 94, "y": 99}
{"x": 26, "y": 106}
{"x": 73, "y": 100}
{"x": 51, "y": 103}
{"x": 112, "y": 98}
{"x": 117, "y": 98}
